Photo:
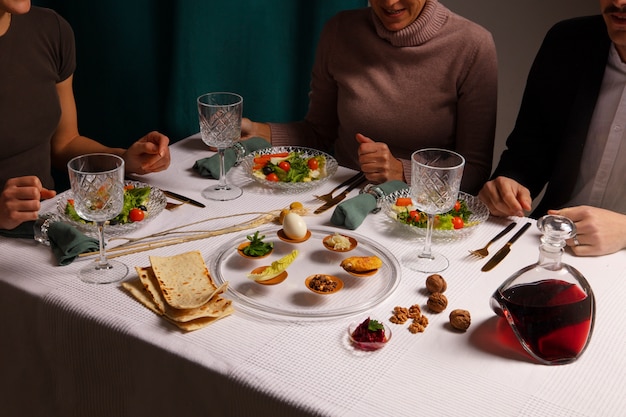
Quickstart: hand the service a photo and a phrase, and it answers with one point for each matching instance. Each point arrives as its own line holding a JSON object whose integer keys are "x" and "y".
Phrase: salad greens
{"x": 133, "y": 198}
{"x": 445, "y": 221}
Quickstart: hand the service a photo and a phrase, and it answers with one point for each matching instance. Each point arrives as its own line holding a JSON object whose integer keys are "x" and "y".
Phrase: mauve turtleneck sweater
{"x": 431, "y": 84}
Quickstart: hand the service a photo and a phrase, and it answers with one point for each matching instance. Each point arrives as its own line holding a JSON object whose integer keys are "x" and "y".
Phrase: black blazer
{"x": 549, "y": 136}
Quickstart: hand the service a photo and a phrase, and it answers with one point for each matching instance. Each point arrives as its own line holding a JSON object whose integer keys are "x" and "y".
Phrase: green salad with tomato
{"x": 289, "y": 167}
{"x": 405, "y": 212}
{"x": 134, "y": 209}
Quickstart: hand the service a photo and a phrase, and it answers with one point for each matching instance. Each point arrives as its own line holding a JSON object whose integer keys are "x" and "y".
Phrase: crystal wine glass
{"x": 435, "y": 181}
{"x": 220, "y": 127}
{"x": 97, "y": 182}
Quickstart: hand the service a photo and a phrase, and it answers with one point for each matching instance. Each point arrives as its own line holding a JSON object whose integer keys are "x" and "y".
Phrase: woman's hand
{"x": 20, "y": 201}
{"x": 377, "y": 162}
{"x": 149, "y": 154}
{"x": 250, "y": 129}
{"x": 506, "y": 197}
{"x": 598, "y": 231}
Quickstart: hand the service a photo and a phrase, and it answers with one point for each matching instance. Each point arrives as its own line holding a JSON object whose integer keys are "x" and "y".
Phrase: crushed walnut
{"x": 402, "y": 314}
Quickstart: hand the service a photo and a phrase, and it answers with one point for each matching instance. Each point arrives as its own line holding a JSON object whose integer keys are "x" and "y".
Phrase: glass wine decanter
{"x": 549, "y": 305}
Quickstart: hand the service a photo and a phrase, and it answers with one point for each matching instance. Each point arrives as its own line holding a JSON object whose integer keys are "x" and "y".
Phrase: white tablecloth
{"x": 73, "y": 349}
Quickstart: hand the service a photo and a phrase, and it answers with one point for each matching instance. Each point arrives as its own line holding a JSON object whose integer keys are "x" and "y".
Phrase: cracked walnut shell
{"x": 437, "y": 302}
{"x": 436, "y": 283}
{"x": 460, "y": 319}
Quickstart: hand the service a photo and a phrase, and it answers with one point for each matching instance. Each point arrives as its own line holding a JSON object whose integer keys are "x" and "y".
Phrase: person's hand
{"x": 506, "y": 197}
{"x": 250, "y": 129}
{"x": 598, "y": 231}
{"x": 20, "y": 201}
{"x": 377, "y": 162}
{"x": 149, "y": 154}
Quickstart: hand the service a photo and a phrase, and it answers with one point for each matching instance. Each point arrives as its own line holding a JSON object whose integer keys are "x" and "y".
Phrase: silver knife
{"x": 339, "y": 197}
{"x": 182, "y": 198}
{"x": 495, "y": 259}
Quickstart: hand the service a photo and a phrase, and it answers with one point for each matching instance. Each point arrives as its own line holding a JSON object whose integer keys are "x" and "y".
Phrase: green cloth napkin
{"x": 67, "y": 242}
{"x": 210, "y": 167}
{"x": 352, "y": 212}
{"x": 24, "y": 230}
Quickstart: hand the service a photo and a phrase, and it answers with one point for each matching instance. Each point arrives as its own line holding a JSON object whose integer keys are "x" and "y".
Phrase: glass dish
{"x": 155, "y": 205}
{"x": 368, "y": 346}
{"x": 480, "y": 213}
{"x": 295, "y": 187}
{"x": 291, "y": 300}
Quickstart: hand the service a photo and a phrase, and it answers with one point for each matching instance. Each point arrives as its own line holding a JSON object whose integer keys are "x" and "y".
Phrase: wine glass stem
{"x": 222, "y": 181}
{"x": 102, "y": 262}
{"x": 426, "y": 252}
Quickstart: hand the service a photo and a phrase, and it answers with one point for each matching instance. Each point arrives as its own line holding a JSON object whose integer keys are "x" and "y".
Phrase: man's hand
{"x": 149, "y": 154}
{"x": 506, "y": 197}
{"x": 20, "y": 201}
{"x": 598, "y": 231}
{"x": 377, "y": 162}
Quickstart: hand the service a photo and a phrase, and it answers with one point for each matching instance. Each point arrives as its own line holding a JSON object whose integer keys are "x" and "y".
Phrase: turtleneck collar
{"x": 424, "y": 28}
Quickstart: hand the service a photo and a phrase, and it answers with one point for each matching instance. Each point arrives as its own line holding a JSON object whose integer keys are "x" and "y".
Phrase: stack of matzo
{"x": 180, "y": 289}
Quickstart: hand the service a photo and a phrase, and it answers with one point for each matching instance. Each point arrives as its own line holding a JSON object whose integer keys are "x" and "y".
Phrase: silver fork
{"x": 329, "y": 196}
{"x": 483, "y": 252}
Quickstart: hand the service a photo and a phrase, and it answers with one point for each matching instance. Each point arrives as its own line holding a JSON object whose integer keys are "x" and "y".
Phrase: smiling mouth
{"x": 393, "y": 12}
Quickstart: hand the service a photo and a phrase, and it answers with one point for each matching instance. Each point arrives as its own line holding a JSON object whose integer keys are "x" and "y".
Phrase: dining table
{"x": 69, "y": 348}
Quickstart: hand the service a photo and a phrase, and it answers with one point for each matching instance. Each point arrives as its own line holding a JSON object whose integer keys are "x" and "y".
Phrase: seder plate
{"x": 291, "y": 300}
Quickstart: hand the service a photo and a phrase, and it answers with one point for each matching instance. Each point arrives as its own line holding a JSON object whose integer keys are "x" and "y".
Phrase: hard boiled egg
{"x": 294, "y": 226}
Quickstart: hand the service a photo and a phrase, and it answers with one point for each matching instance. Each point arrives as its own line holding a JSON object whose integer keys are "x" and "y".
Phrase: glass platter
{"x": 155, "y": 205}
{"x": 480, "y": 213}
{"x": 294, "y": 187}
{"x": 291, "y": 300}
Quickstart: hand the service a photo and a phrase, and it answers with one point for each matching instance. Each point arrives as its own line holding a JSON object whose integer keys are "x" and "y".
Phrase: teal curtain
{"x": 142, "y": 63}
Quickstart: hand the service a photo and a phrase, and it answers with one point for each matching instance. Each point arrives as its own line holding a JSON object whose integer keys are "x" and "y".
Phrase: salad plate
{"x": 269, "y": 163}
{"x": 479, "y": 213}
{"x": 154, "y": 206}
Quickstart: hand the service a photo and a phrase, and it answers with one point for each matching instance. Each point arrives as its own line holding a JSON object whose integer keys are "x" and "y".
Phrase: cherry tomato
{"x": 415, "y": 215}
{"x": 284, "y": 165}
{"x": 457, "y": 222}
{"x": 457, "y": 206}
{"x": 136, "y": 215}
{"x": 272, "y": 177}
{"x": 313, "y": 163}
{"x": 70, "y": 201}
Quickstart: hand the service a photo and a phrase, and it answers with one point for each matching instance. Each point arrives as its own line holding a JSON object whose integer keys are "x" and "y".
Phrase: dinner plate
{"x": 291, "y": 300}
{"x": 156, "y": 203}
{"x": 294, "y": 187}
{"x": 479, "y": 210}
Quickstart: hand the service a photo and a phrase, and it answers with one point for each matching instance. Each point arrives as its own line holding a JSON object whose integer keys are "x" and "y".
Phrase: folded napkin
{"x": 67, "y": 242}
{"x": 210, "y": 167}
{"x": 24, "y": 230}
{"x": 352, "y": 212}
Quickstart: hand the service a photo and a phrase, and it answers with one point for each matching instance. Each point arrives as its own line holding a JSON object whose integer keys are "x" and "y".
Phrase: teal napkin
{"x": 67, "y": 242}
{"x": 24, "y": 230}
{"x": 352, "y": 212}
{"x": 210, "y": 167}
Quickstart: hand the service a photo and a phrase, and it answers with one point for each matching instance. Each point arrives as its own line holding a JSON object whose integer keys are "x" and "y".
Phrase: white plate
{"x": 295, "y": 187}
{"x": 291, "y": 300}
{"x": 156, "y": 203}
{"x": 479, "y": 210}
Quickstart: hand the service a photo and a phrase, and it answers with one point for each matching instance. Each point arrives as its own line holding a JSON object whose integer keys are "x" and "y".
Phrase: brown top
{"x": 37, "y": 53}
{"x": 431, "y": 84}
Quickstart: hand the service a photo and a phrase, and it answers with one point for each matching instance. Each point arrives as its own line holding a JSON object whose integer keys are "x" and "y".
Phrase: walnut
{"x": 460, "y": 319}
{"x": 436, "y": 283}
{"x": 437, "y": 302}
{"x": 415, "y": 311}
{"x": 419, "y": 324}
{"x": 400, "y": 315}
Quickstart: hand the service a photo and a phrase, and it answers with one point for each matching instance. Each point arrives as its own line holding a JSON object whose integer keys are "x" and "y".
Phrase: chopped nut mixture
{"x": 322, "y": 283}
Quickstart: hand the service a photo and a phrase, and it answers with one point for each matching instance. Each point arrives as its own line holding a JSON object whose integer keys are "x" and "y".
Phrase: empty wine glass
{"x": 220, "y": 127}
{"x": 97, "y": 182}
{"x": 435, "y": 180}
